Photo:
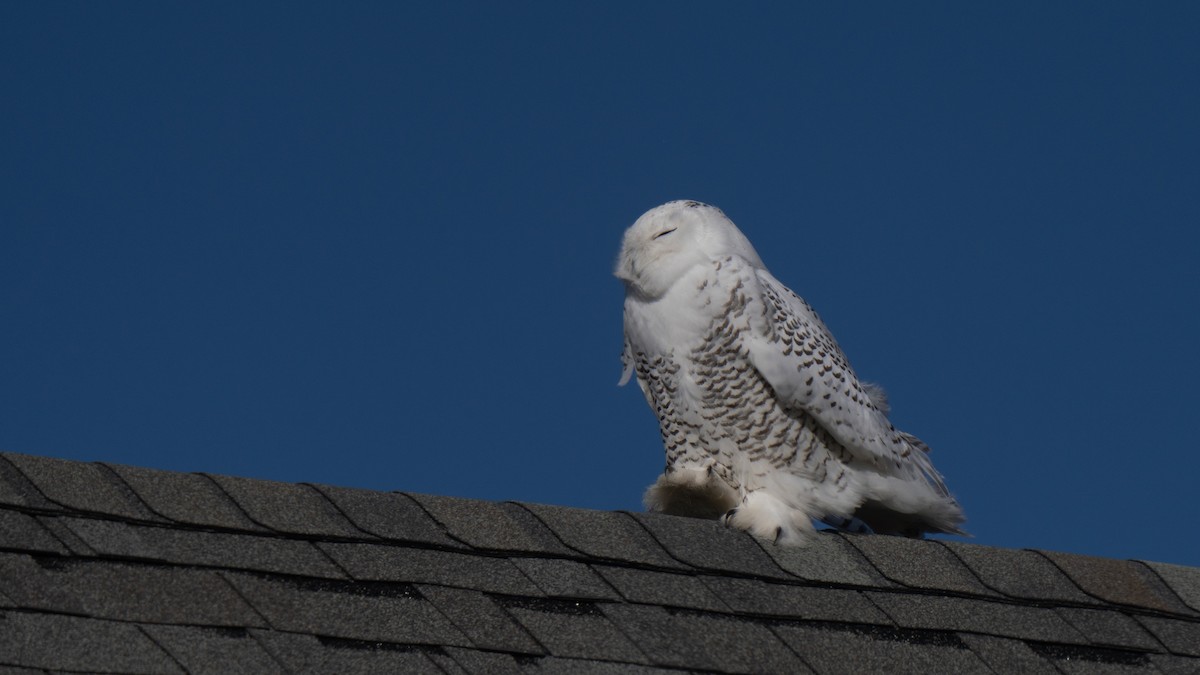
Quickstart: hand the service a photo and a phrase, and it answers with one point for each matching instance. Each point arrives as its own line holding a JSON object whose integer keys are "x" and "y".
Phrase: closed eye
{"x": 665, "y": 232}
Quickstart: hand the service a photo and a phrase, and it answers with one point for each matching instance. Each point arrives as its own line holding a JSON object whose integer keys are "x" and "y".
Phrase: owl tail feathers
{"x": 852, "y": 524}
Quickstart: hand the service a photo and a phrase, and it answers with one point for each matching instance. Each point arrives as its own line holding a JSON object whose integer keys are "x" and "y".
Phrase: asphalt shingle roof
{"x": 121, "y": 569}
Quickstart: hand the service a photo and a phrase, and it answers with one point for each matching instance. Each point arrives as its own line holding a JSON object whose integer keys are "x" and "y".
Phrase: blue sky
{"x": 371, "y": 244}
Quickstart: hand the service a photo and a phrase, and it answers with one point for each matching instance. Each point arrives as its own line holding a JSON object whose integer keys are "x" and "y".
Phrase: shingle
{"x": 566, "y": 579}
{"x": 1169, "y": 664}
{"x": 1184, "y": 581}
{"x": 1109, "y": 628}
{"x": 488, "y": 525}
{"x": 484, "y": 663}
{"x": 662, "y": 588}
{"x": 750, "y": 596}
{"x": 1006, "y": 655}
{"x": 347, "y": 610}
{"x": 445, "y": 568}
{"x": 195, "y": 547}
{"x": 833, "y": 652}
{"x": 1120, "y": 581}
{"x": 20, "y": 670}
{"x": 211, "y": 650}
{"x": 388, "y": 515}
{"x": 371, "y": 661}
{"x": 297, "y": 652}
{"x": 575, "y": 630}
{"x": 976, "y": 616}
{"x": 486, "y": 624}
{"x": 604, "y": 534}
{"x": 826, "y": 558}
{"x": 1180, "y": 637}
{"x": 57, "y": 642}
{"x": 24, "y": 533}
{"x": 706, "y": 642}
{"x": 85, "y": 487}
{"x": 288, "y": 507}
{"x": 23, "y": 582}
{"x": 1018, "y": 574}
{"x": 15, "y": 488}
{"x": 1095, "y": 661}
{"x": 709, "y": 545}
{"x": 554, "y": 665}
{"x": 61, "y": 532}
{"x": 125, "y": 592}
{"x": 185, "y": 498}
{"x": 918, "y": 564}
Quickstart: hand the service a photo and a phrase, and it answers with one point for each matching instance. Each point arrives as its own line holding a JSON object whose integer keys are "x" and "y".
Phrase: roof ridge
{"x": 208, "y": 570}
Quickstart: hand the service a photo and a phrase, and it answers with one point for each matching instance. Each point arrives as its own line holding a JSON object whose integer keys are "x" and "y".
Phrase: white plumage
{"x": 764, "y": 421}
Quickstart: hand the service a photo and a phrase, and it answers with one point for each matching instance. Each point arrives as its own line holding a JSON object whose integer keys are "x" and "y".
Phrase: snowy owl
{"x": 765, "y": 424}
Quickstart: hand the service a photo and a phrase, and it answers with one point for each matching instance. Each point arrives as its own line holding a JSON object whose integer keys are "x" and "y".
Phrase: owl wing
{"x": 797, "y": 355}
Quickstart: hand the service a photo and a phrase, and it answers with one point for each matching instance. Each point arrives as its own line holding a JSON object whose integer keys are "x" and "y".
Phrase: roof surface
{"x": 108, "y": 568}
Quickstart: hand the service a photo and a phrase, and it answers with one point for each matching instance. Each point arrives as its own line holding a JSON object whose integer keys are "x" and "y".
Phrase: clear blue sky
{"x": 371, "y": 244}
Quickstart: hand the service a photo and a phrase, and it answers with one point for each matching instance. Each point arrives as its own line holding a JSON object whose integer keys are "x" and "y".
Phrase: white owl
{"x": 765, "y": 424}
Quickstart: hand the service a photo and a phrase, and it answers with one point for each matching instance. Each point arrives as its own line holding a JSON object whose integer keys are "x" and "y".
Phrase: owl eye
{"x": 665, "y": 232}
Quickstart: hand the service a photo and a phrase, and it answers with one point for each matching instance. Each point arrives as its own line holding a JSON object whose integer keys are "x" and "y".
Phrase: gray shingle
{"x": 1109, "y": 628}
{"x": 61, "y": 532}
{"x": 57, "y": 642}
{"x": 707, "y": 544}
{"x": 1096, "y": 661}
{"x": 196, "y": 547}
{"x": 1006, "y": 655}
{"x": 918, "y": 564}
{"x": 554, "y": 665}
{"x": 704, "y": 641}
{"x": 1184, "y": 581}
{"x": 372, "y": 661}
{"x": 444, "y": 568}
{"x": 1180, "y": 637}
{"x": 575, "y": 630}
{"x": 213, "y": 650}
{"x": 483, "y": 621}
{"x": 1119, "y": 581}
{"x": 15, "y": 488}
{"x": 288, "y": 507}
{"x": 484, "y": 663}
{"x": 826, "y": 558}
{"x": 22, "y": 532}
{"x": 1018, "y": 574}
{"x": 297, "y": 652}
{"x": 604, "y": 534}
{"x": 20, "y": 670}
{"x": 975, "y": 616}
{"x": 487, "y": 525}
{"x": 566, "y": 579}
{"x": 388, "y": 515}
{"x": 445, "y": 664}
{"x": 750, "y": 596}
{"x": 851, "y": 652}
{"x": 124, "y": 592}
{"x": 662, "y": 588}
{"x": 185, "y": 498}
{"x": 1169, "y": 664}
{"x": 347, "y": 610}
{"x": 85, "y": 487}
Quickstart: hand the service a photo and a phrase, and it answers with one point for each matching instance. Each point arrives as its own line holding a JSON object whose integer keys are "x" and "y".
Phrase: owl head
{"x": 669, "y": 240}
